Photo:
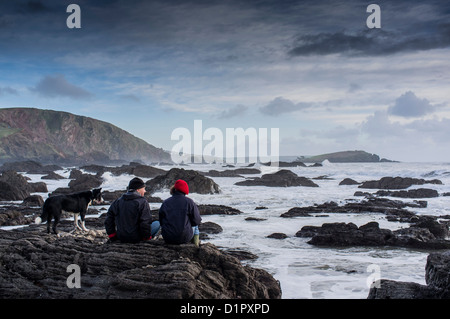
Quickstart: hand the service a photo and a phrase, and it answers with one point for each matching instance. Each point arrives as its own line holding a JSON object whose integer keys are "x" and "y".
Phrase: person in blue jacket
{"x": 179, "y": 216}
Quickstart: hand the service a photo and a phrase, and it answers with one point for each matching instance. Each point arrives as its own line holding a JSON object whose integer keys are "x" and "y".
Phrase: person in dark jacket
{"x": 129, "y": 218}
{"x": 179, "y": 216}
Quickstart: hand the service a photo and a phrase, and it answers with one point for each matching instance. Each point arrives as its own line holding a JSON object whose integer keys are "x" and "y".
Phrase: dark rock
{"x": 260, "y": 208}
{"x": 206, "y": 209}
{"x": 397, "y": 183}
{"x": 210, "y": 228}
{"x": 38, "y": 187}
{"x": 31, "y": 167}
{"x": 256, "y": 219}
{"x": 34, "y": 265}
{"x": 240, "y": 253}
{"x": 297, "y": 212}
{"x": 412, "y": 193}
{"x": 282, "y": 178}
{"x": 196, "y": 181}
{"x": 437, "y": 278}
{"x": 345, "y": 235}
{"x": 14, "y": 186}
{"x": 232, "y": 173}
{"x": 277, "y": 236}
{"x": 372, "y": 205}
{"x": 52, "y": 176}
{"x": 85, "y": 182}
{"x": 33, "y": 200}
{"x": 348, "y": 181}
{"x": 18, "y": 215}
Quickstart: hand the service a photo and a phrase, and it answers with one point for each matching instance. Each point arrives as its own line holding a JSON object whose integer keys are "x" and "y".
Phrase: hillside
{"x": 61, "y": 137}
{"x": 345, "y": 157}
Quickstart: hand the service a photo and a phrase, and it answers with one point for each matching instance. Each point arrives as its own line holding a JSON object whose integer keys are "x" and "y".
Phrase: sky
{"x": 312, "y": 69}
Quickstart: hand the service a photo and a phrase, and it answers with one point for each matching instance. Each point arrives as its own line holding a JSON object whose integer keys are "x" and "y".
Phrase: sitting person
{"x": 179, "y": 216}
{"x": 129, "y": 218}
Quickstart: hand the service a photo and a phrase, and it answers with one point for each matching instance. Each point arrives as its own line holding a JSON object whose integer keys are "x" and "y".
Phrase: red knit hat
{"x": 182, "y": 186}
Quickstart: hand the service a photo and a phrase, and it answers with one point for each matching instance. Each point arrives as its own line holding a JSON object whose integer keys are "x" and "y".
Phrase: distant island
{"x": 344, "y": 157}
{"x": 49, "y": 136}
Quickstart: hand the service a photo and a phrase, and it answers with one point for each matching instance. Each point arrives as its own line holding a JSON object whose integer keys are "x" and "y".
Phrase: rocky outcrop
{"x": 423, "y": 235}
{"x": 30, "y": 167}
{"x": 345, "y": 157}
{"x": 207, "y": 209}
{"x": 397, "y": 182}
{"x": 394, "y": 209}
{"x": 134, "y": 168}
{"x": 348, "y": 181}
{"x": 34, "y": 265}
{"x": 412, "y": 193}
{"x": 197, "y": 182}
{"x": 282, "y": 178}
{"x": 437, "y": 274}
{"x": 232, "y": 172}
{"x": 14, "y": 186}
{"x": 80, "y": 182}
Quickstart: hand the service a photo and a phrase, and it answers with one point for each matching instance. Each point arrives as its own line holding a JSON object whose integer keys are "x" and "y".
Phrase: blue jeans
{"x": 155, "y": 227}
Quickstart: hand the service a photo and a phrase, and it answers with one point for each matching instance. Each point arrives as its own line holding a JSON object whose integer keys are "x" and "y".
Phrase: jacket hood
{"x": 131, "y": 195}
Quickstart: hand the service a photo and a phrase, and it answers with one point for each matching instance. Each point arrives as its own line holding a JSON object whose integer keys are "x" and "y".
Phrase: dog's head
{"x": 97, "y": 196}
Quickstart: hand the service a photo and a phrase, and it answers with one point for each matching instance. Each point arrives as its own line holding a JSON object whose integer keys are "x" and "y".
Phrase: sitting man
{"x": 179, "y": 216}
{"x": 129, "y": 218}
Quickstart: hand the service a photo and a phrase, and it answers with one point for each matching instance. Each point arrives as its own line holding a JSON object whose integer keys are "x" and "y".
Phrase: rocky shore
{"x": 437, "y": 286}
{"x": 34, "y": 265}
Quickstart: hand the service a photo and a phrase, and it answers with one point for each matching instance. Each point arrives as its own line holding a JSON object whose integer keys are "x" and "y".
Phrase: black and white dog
{"x": 76, "y": 203}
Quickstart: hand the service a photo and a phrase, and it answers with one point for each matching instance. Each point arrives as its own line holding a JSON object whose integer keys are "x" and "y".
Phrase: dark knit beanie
{"x": 136, "y": 183}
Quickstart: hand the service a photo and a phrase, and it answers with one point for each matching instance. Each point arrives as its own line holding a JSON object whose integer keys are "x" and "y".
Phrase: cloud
{"x": 7, "y": 90}
{"x": 281, "y": 105}
{"x": 409, "y": 105}
{"x": 238, "y": 110}
{"x": 57, "y": 85}
{"x": 375, "y": 42}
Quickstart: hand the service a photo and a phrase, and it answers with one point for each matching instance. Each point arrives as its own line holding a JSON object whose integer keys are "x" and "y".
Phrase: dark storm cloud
{"x": 371, "y": 42}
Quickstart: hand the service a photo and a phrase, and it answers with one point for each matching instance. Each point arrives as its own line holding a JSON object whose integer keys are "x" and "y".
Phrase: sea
{"x": 305, "y": 271}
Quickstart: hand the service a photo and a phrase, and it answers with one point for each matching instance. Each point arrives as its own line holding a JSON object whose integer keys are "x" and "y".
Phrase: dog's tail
{"x": 43, "y": 216}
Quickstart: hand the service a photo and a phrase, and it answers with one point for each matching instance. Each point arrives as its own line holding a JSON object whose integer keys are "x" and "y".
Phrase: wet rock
{"x": 134, "y": 168}
{"x": 207, "y": 209}
{"x": 349, "y": 181}
{"x": 14, "y": 186}
{"x": 52, "y": 176}
{"x": 277, "y": 236}
{"x": 437, "y": 274}
{"x": 197, "y": 182}
{"x": 232, "y": 173}
{"x": 31, "y": 167}
{"x": 371, "y": 205}
{"x": 345, "y": 235}
{"x": 282, "y": 178}
{"x": 210, "y": 228}
{"x": 34, "y": 265}
{"x": 397, "y": 183}
{"x": 412, "y": 193}
{"x": 33, "y": 200}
